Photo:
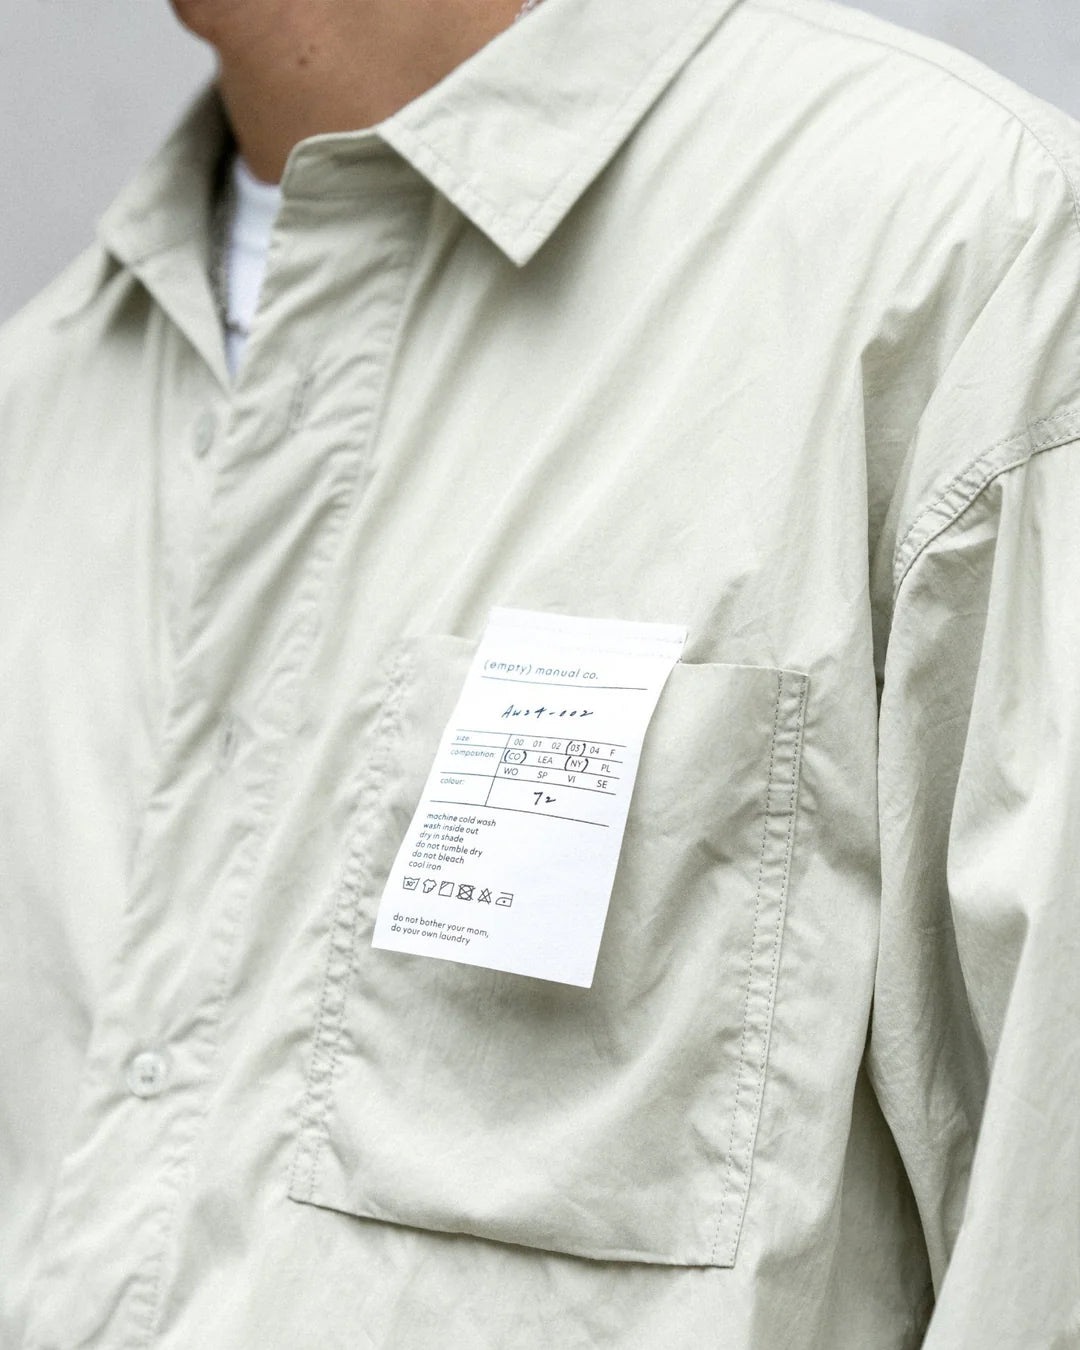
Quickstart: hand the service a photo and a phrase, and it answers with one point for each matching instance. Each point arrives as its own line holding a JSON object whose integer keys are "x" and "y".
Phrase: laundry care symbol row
{"x": 459, "y": 890}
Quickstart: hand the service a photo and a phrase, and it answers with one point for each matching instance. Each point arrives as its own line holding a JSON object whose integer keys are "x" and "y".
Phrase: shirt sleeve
{"x": 975, "y": 1045}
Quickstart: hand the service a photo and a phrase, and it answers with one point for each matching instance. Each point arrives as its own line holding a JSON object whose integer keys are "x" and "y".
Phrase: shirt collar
{"x": 160, "y": 226}
{"x": 512, "y": 137}
{"x": 170, "y": 201}
{"x": 516, "y": 134}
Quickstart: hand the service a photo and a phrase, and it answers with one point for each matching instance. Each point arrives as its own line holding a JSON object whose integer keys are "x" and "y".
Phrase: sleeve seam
{"x": 964, "y": 489}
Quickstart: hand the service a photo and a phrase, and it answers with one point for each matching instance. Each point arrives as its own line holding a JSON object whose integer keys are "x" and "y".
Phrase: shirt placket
{"x": 289, "y": 456}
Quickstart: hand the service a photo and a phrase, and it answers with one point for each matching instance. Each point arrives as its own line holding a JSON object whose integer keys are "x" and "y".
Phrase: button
{"x": 147, "y": 1073}
{"x": 204, "y": 433}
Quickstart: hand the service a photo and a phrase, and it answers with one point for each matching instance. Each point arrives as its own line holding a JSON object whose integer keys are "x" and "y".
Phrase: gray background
{"x": 88, "y": 87}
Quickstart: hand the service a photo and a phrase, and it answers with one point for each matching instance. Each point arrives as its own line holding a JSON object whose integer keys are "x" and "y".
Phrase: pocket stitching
{"x": 781, "y": 900}
{"x": 333, "y": 994}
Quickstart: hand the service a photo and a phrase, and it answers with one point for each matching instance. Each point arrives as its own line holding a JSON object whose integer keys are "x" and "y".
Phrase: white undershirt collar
{"x": 254, "y": 206}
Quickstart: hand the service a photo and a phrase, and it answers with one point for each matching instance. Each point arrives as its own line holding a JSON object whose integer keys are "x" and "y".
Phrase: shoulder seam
{"x": 964, "y": 489}
{"x": 1022, "y": 120}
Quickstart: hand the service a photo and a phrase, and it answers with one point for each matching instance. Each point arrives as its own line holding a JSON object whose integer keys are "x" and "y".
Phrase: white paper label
{"x": 509, "y": 860}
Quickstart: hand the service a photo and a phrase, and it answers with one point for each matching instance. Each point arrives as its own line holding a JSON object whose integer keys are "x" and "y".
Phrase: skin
{"x": 289, "y": 69}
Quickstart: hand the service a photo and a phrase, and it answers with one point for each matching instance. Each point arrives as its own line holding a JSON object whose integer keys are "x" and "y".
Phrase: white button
{"x": 204, "y": 433}
{"x": 147, "y": 1073}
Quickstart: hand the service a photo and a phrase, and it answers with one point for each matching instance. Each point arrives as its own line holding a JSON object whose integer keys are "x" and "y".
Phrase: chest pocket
{"x": 615, "y": 1122}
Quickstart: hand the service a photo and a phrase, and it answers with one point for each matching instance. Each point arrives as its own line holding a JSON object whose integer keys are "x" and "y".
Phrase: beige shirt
{"x": 758, "y": 318}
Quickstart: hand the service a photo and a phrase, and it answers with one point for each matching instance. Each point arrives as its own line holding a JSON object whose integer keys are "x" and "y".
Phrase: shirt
{"x": 756, "y": 318}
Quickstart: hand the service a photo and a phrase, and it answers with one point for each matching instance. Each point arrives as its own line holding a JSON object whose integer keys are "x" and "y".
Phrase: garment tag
{"x": 509, "y": 860}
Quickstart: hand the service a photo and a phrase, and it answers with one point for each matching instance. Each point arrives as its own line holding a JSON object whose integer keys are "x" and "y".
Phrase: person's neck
{"x": 289, "y": 69}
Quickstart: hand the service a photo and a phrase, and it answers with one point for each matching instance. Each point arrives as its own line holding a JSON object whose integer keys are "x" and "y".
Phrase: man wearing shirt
{"x": 760, "y": 318}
